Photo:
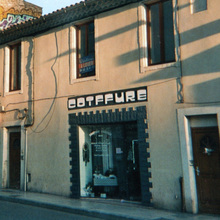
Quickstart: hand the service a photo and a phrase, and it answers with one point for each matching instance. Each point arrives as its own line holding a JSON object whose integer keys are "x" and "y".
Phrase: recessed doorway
{"x": 206, "y": 163}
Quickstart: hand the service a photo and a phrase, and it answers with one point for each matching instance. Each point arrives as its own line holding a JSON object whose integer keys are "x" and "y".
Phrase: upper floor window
{"x": 198, "y": 5}
{"x": 15, "y": 67}
{"x": 160, "y": 32}
{"x": 85, "y": 50}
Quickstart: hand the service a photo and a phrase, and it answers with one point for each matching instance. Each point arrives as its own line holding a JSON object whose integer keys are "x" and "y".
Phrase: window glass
{"x": 82, "y": 50}
{"x": 155, "y": 34}
{"x": 86, "y": 50}
{"x": 160, "y": 33}
{"x": 109, "y": 162}
{"x": 199, "y": 5}
{"x": 15, "y": 67}
{"x": 168, "y": 31}
{"x": 91, "y": 43}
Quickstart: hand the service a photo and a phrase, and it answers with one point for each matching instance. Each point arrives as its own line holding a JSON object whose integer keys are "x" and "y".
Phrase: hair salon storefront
{"x": 109, "y": 157}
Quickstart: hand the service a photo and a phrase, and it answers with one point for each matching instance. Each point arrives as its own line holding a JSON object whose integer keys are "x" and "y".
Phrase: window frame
{"x": 161, "y": 33}
{"x": 78, "y": 43}
{"x": 7, "y": 64}
{"x": 17, "y": 71}
{"x": 144, "y": 35}
{"x": 74, "y": 53}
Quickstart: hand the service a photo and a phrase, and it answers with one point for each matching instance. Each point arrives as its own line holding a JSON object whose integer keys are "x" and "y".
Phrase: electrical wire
{"x": 52, "y": 107}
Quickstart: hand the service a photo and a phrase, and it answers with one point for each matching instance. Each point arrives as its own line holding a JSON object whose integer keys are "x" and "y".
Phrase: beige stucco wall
{"x": 164, "y": 146}
{"x": 199, "y": 37}
{"x": 117, "y": 67}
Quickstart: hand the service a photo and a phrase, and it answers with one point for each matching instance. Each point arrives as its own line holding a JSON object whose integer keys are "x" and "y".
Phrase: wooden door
{"x": 207, "y": 168}
{"x": 14, "y": 160}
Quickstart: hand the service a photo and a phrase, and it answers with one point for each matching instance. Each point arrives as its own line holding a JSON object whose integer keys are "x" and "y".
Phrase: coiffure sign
{"x": 108, "y": 98}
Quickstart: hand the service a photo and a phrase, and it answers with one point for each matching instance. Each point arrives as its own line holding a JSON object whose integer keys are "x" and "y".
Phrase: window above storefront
{"x": 85, "y": 50}
{"x": 158, "y": 35}
{"x": 15, "y": 67}
{"x": 198, "y": 5}
{"x": 82, "y": 52}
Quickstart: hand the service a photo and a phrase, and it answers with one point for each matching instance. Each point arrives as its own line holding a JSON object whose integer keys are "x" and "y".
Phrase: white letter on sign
{"x": 98, "y": 98}
{"x": 119, "y": 99}
{"x": 130, "y": 96}
{"x": 89, "y": 99}
{"x": 108, "y": 98}
{"x": 72, "y": 103}
{"x": 80, "y": 102}
{"x": 142, "y": 94}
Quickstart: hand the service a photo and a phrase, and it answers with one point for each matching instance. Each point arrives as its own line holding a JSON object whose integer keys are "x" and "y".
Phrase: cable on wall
{"x": 52, "y": 106}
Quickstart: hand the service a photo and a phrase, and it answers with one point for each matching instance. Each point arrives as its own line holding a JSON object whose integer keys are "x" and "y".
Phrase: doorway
{"x": 14, "y": 160}
{"x": 206, "y": 163}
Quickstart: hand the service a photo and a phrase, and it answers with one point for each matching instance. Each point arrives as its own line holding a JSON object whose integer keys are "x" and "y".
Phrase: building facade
{"x": 114, "y": 99}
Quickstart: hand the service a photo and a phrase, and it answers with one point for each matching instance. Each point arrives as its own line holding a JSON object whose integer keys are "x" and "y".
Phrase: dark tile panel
{"x": 140, "y": 115}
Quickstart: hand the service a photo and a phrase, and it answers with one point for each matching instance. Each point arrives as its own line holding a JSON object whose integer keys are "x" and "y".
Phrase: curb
{"x": 90, "y": 213}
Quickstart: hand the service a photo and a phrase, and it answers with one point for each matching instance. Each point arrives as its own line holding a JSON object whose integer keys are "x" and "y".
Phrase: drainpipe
{"x": 32, "y": 83}
{"x": 180, "y": 95}
{"x": 25, "y": 162}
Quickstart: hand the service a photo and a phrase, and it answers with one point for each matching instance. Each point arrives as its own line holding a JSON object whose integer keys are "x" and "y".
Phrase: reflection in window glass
{"x": 113, "y": 166}
{"x": 86, "y": 50}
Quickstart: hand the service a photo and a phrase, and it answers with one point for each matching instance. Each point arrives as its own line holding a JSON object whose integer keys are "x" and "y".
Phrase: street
{"x": 16, "y": 211}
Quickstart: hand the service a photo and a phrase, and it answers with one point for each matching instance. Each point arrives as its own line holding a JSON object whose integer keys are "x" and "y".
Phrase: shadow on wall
{"x": 210, "y": 88}
{"x": 205, "y": 62}
{"x": 30, "y": 83}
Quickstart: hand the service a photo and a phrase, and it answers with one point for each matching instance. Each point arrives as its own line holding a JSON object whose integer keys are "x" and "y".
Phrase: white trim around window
{"x": 7, "y": 70}
{"x": 142, "y": 30}
{"x": 73, "y": 55}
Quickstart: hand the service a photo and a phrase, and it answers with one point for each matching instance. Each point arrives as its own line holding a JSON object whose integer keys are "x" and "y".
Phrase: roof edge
{"x": 61, "y": 17}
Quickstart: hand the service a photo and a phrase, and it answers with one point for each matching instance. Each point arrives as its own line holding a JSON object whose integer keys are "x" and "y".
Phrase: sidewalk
{"x": 104, "y": 209}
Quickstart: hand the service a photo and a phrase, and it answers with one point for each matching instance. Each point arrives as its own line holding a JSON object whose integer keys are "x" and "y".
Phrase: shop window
{"x": 198, "y": 5}
{"x": 160, "y": 33}
{"x": 85, "y": 50}
{"x": 15, "y": 68}
{"x": 109, "y": 164}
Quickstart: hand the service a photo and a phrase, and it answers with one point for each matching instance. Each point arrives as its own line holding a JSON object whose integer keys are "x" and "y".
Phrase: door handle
{"x": 197, "y": 171}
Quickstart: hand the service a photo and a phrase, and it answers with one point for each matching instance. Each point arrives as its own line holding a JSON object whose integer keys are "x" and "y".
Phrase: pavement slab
{"x": 101, "y": 208}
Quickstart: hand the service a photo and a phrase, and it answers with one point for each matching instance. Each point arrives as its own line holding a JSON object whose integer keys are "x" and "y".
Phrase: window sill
{"x": 89, "y": 78}
{"x": 160, "y": 66}
{"x": 13, "y": 92}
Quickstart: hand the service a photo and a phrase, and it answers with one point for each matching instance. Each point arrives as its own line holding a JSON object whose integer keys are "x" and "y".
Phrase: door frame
{"x": 6, "y": 129}
{"x": 189, "y": 178}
